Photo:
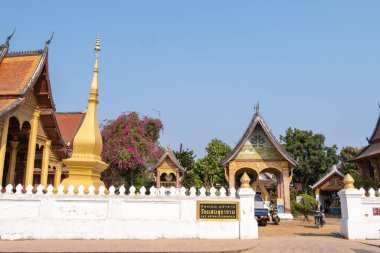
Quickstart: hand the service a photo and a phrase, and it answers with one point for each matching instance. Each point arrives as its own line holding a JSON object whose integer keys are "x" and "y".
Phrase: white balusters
{"x": 223, "y": 192}
{"x": 70, "y": 190}
{"x": 142, "y": 191}
{"x": 132, "y": 191}
{"x": 172, "y": 191}
{"x": 362, "y": 191}
{"x": 19, "y": 189}
{"x": 29, "y": 190}
{"x": 213, "y": 192}
{"x": 182, "y": 191}
{"x": 50, "y": 190}
{"x": 8, "y": 189}
{"x": 371, "y": 192}
{"x": 202, "y": 192}
{"x": 193, "y": 192}
{"x": 111, "y": 190}
{"x": 91, "y": 190}
{"x": 61, "y": 188}
{"x": 122, "y": 190}
{"x": 81, "y": 189}
{"x": 232, "y": 192}
{"x": 102, "y": 190}
{"x": 162, "y": 191}
{"x": 40, "y": 189}
{"x": 153, "y": 191}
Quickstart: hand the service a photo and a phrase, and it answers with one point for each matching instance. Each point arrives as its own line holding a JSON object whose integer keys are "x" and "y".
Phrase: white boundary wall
{"x": 358, "y": 219}
{"x": 109, "y": 216}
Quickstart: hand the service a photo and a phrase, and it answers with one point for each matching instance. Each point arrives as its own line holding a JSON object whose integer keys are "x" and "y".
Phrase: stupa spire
{"x": 85, "y": 164}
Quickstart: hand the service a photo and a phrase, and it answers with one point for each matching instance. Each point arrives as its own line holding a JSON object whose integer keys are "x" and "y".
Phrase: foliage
{"x": 208, "y": 170}
{"x": 130, "y": 146}
{"x": 306, "y": 206}
{"x": 346, "y": 154}
{"x": 187, "y": 159}
{"x": 313, "y": 156}
{"x": 365, "y": 182}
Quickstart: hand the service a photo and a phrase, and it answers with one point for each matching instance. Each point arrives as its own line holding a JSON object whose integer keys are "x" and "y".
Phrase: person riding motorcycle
{"x": 319, "y": 210}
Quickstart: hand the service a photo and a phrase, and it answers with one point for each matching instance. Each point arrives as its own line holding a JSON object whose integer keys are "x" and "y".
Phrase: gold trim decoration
{"x": 218, "y": 211}
{"x": 245, "y": 180}
{"x": 348, "y": 182}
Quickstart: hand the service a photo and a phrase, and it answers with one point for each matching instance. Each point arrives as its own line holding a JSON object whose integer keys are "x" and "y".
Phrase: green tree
{"x": 208, "y": 170}
{"x": 313, "y": 156}
{"x": 346, "y": 154}
{"x": 306, "y": 206}
{"x": 186, "y": 158}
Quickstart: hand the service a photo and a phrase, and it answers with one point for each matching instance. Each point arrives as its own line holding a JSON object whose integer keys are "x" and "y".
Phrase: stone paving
{"x": 291, "y": 236}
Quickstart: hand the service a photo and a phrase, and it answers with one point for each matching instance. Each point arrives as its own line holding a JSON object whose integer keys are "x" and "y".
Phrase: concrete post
{"x": 3, "y": 146}
{"x": 352, "y": 221}
{"x": 248, "y": 225}
{"x": 32, "y": 148}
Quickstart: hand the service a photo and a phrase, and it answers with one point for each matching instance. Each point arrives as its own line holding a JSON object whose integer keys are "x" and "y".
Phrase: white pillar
{"x": 248, "y": 225}
{"x": 352, "y": 222}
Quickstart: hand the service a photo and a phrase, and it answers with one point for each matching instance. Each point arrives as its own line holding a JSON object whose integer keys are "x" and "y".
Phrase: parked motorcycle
{"x": 274, "y": 214}
{"x": 319, "y": 220}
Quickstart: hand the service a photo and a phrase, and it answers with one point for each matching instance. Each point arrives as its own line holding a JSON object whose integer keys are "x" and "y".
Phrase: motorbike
{"x": 274, "y": 214}
{"x": 318, "y": 217}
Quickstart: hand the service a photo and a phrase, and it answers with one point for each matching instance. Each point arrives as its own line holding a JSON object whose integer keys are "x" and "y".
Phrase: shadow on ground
{"x": 334, "y": 234}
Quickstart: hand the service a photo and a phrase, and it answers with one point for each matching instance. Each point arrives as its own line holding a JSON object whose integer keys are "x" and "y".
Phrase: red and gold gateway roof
{"x": 16, "y": 72}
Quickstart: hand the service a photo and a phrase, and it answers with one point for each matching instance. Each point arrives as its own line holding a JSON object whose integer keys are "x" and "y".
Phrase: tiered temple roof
{"x": 257, "y": 120}
{"x": 373, "y": 147}
{"x": 27, "y": 73}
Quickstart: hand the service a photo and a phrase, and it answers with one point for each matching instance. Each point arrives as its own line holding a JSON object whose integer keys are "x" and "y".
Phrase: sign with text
{"x": 217, "y": 210}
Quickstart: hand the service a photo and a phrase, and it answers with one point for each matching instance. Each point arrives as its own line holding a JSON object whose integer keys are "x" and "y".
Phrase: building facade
{"x": 258, "y": 152}
{"x": 168, "y": 171}
{"x": 34, "y": 138}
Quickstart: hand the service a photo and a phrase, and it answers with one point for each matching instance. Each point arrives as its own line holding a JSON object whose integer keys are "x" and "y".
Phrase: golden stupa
{"x": 85, "y": 164}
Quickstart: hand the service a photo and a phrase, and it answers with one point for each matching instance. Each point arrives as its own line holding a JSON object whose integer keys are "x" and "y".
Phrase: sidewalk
{"x": 291, "y": 244}
{"x": 58, "y": 246}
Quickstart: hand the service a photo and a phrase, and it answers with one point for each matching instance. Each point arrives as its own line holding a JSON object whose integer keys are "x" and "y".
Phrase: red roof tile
{"x": 15, "y": 73}
{"x": 69, "y": 124}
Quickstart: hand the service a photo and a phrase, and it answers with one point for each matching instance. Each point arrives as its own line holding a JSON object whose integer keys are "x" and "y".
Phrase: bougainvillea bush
{"x": 130, "y": 147}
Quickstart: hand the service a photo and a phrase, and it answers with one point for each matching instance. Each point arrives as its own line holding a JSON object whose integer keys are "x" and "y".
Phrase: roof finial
{"x": 10, "y": 36}
{"x": 257, "y": 108}
{"x": 97, "y": 44}
{"x": 49, "y": 40}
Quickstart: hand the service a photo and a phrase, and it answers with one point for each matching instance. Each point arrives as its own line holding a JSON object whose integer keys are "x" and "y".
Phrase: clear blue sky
{"x": 203, "y": 65}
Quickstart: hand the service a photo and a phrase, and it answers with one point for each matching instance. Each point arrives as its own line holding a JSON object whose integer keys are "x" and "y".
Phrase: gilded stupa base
{"x": 84, "y": 171}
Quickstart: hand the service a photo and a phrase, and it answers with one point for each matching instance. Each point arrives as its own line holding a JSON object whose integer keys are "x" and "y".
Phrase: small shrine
{"x": 368, "y": 160}
{"x": 327, "y": 188}
{"x": 168, "y": 171}
{"x": 259, "y": 154}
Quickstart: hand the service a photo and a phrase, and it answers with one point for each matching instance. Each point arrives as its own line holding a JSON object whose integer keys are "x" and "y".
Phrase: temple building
{"x": 31, "y": 145}
{"x": 35, "y": 140}
{"x": 168, "y": 171}
{"x": 327, "y": 188}
{"x": 368, "y": 160}
{"x": 258, "y": 152}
